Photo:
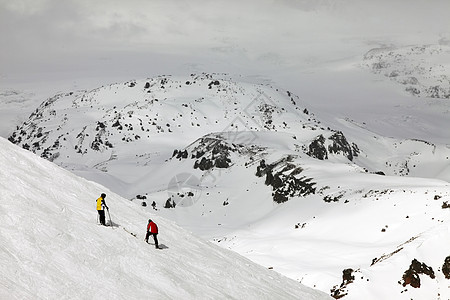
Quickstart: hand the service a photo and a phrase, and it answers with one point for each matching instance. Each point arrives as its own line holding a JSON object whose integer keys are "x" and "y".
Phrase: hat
{"x": 103, "y": 195}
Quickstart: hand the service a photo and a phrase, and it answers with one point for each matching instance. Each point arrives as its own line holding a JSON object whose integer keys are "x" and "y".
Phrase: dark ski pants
{"x": 101, "y": 214}
{"x": 155, "y": 238}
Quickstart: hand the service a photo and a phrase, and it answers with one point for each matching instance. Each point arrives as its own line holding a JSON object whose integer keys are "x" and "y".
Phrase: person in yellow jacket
{"x": 100, "y": 205}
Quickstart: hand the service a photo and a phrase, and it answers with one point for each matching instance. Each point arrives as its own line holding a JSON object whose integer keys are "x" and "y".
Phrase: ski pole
{"x": 110, "y": 221}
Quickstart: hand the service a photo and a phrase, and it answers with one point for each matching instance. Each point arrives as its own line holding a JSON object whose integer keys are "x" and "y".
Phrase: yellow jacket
{"x": 100, "y": 203}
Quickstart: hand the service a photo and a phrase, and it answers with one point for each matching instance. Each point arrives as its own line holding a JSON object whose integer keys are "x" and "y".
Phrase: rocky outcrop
{"x": 336, "y": 144}
{"x": 411, "y": 276}
{"x": 340, "y": 145}
{"x": 282, "y": 176}
{"x": 337, "y": 292}
{"x": 446, "y": 267}
{"x": 317, "y": 148}
{"x": 209, "y": 152}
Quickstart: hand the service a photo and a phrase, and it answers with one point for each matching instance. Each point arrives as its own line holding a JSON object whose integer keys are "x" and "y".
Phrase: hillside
{"x": 313, "y": 219}
{"x": 252, "y": 168}
{"x": 114, "y": 133}
{"x": 310, "y": 137}
{"x": 52, "y": 247}
{"x": 421, "y": 70}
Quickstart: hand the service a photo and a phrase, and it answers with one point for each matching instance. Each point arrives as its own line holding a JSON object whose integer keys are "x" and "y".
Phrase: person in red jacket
{"x": 152, "y": 229}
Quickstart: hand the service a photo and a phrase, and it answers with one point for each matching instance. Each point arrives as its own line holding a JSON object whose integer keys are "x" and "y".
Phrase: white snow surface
{"x": 339, "y": 213}
{"x": 52, "y": 248}
{"x": 377, "y": 71}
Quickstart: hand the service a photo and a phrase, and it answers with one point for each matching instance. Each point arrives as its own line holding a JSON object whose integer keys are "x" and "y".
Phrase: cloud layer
{"x": 85, "y": 37}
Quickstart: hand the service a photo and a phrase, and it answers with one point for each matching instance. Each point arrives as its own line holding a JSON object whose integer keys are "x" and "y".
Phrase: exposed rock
{"x": 347, "y": 276}
{"x": 329, "y": 198}
{"x": 412, "y": 90}
{"x": 341, "y": 291}
{"x": 446, "y": 267}
{"x": 100, "y": 125}
{"x": 438, "y": 92}
{"x": 279, "y": 198}
{"x": 182, "y": 154}
{"x": 317, "y": 148}
{"x": 118, "y": 125}
{"x": 214, "y": 82}
{"x": 222, "y": 162}
{"x": 340, "y": 145}
{"x": 284, "y": 183}
{"x": 411, "y": 276}
{"x": 214, "y": 151}
{"x": 337, "y": 144}
{"x": 260, "y": 170}
{"x": 386, "y": 256}
{"x": 204, "y": 164}
{"x": 170, "y": 203}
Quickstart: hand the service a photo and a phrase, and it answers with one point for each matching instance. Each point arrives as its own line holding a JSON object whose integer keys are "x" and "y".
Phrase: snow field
{"x": 51, "y": 246}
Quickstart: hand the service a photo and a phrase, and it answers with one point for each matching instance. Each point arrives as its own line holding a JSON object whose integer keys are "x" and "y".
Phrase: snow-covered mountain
{"x": 253, "y": 168}
{"x": 142, "y": 122}
{"x": 52, "y": 248}
{"x": 337, "y": 228}
{"x": 422, "y": 70}
{"x": 310, "y": 137}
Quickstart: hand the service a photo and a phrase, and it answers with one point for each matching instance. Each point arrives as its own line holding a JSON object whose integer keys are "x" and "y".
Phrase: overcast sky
{"x": 143, "y": 38}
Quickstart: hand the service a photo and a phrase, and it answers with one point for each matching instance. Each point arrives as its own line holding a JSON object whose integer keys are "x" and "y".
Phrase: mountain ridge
{"x": 227, "y": 160}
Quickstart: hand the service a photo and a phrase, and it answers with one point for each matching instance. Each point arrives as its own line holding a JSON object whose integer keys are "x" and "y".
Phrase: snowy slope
{"x": 51, "y": 247}
{"x": 282, "y": 161}
{"x": 253, "y": 169}
{"x": 113, "y": 134}
{"x": 337, "y": 216}
{"x": 117, "y": 131}
{"x": 423, "y": 70}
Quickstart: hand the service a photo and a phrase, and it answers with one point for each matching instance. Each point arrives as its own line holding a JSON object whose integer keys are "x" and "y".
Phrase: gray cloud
{"x": 76, "y": 35}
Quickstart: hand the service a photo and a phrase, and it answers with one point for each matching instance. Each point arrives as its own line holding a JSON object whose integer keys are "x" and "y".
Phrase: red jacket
{"x": 152, "y": 227}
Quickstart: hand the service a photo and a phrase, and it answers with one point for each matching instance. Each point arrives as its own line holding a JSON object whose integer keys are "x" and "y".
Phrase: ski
{"x": 126, "y": 230}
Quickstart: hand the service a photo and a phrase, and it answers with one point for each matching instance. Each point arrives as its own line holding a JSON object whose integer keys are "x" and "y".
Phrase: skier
{"x": 152, "y": 229}
{"x": 100, "y": 205}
